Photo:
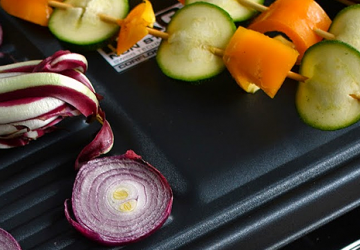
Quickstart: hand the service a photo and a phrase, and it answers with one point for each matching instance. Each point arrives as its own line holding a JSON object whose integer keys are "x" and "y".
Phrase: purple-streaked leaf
{"x": 50, "y": 85}
{"x": 62, "y": 60}
{"x": 27, "y": 66}
{"x": 101, "y": 144}
{"x": 36, "y": 95}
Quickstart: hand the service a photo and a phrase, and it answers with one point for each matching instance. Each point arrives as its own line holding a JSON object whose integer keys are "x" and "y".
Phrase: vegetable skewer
{"x": 107, "y": 18}
{"x": 190, "y": 47}
{"x": 163, "y": 35}
{"x": 75, "y": 24}
{"x": 214, "y": 50}
{"x": 137, "y": 24}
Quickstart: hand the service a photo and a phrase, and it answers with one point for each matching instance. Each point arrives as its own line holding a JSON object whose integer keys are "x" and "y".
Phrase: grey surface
{"x": 245, "y": 170}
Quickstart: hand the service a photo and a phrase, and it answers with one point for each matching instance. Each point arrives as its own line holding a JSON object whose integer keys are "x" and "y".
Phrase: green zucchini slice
{"x": 346, "y": 26}
{"x": 81, "y": 26}
{"x": 325, "y": 100}
{"x": 185, "y": 55}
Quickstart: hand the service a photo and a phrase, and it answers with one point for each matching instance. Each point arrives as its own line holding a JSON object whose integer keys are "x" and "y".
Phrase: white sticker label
{"x": 142, "y": 50}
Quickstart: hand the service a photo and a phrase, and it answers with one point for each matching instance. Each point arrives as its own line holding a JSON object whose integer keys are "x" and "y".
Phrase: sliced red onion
{"x": 118, "y": 200}
{"x": 7, "y": 241}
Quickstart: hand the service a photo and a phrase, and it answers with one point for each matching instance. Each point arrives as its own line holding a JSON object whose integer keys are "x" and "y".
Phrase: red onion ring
{"x": 7, "y": 241}
{"x": 118, "y": 200}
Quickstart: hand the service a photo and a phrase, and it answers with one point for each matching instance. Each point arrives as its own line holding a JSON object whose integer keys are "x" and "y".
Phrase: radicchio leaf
{"x": 61, "y": 77}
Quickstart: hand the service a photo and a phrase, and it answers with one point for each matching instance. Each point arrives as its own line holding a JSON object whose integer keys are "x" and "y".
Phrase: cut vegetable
{"x": 27, "y": 108}
{"x": 296, "y": 19}
{"x": 36, "y": 95}
{"x": 195, "y": 27}
{"x": 258, "y": 61}
{"x": 81, "y": 26}
{"x": 236, "y": 10}
{"x": 134, "y": 26}
{"x": 7, "y": 241}
{"x": 346, "y": 26}
{"x": 324, "y": 101}
{"x": 35, "y": 11}
{"x": 41, "y": 84}
{"x": 118, "y": 200}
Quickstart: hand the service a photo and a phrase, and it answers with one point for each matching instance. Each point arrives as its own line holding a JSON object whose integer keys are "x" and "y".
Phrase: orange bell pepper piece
{"x": 134, "y": 26}
{"x": 253, "y": 58}
{"x": 35, "y": 11}
{"x": 295, "y": 18}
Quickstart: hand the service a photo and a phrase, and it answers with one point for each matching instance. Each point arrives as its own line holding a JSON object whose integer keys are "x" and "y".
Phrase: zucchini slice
{"x": 346, "y": 26}
{"x": 81, "y": 25}
{"x": 237, "y": 11}
{"x": 325, "y": 101}
{"x": 185, "y": 55}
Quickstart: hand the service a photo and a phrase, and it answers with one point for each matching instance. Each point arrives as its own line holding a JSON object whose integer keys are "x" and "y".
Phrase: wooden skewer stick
{"x": 355, "y": 96}
{"x": 164, "y": 35}
{"x": 324, "y": 34}
{"x": 154, "y": 32}
{"x": 262, "y": 8}
{"x": 254, "y": 5}
{"x": 60, "y": 5}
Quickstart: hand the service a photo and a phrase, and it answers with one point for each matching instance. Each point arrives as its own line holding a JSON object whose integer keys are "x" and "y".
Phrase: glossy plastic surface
{"x": 246, "y": 172}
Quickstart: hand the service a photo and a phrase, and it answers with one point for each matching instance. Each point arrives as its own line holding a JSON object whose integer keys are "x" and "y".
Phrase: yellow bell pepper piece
{"x": 134, "y": 26}
{"x": 256, "y": 60}
{"x": 35, "y": 11}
